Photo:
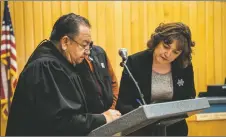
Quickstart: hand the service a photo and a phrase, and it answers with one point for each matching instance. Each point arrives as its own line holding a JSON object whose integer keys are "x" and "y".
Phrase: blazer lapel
{"x": 146, "y": 76}
{"x": 175, "y": 77}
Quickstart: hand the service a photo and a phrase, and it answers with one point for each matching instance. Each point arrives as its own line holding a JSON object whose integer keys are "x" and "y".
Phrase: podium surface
{"x": 149, "y": 114}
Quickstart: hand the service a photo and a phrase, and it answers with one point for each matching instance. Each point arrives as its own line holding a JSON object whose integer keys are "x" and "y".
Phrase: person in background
{"x": 164, "y": 72}
{"x": 50, "y": 99}
{"x": 99, "y": 80}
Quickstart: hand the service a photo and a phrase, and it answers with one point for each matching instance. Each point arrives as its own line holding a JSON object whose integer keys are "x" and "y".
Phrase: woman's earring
{"x": 64, "y": 47}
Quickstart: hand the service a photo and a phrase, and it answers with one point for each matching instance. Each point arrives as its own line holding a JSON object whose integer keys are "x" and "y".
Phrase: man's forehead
{"x": 84, "y": 29}
{"x": 84, "y": 33}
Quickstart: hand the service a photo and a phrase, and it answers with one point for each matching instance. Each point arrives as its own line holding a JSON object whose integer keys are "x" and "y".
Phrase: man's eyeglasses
{"x": 90, "y": 45}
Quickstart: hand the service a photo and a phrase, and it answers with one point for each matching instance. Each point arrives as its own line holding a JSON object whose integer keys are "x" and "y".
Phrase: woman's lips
{"x": 164, "y": 58}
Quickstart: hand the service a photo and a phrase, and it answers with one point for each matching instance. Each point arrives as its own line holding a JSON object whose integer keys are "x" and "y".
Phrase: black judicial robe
{"x": 49, "y": 98}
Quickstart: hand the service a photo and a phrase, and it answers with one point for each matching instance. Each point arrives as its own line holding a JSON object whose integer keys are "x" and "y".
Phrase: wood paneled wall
{"x": 117, "y": 24}
{"x": 130, "y": 24}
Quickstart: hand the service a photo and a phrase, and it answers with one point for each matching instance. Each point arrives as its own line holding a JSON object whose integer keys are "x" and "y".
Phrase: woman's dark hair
{"x": 174, "y": 31}
{"x": 68, "y": 25}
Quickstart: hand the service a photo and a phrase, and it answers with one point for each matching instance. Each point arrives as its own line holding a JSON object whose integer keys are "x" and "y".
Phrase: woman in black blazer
{"x": 164, "y": 72}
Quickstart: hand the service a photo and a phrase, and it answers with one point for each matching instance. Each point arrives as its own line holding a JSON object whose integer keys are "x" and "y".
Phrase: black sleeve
{"x": 127, "y": 90}
{"x": 191, "y": 84}
{"x": 60, "y": 100}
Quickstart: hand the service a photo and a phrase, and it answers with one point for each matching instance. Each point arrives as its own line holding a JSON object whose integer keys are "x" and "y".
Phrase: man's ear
{"x": 64, "y": 42}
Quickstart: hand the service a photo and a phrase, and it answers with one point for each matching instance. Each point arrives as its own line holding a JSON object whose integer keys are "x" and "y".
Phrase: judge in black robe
{"x": 49, "y": 97}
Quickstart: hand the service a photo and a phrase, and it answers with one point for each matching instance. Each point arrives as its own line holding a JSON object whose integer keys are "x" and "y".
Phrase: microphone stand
{"x": 123, "y": 64}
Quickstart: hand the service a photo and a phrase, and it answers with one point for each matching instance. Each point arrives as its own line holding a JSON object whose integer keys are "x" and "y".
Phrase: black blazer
{"x": 140, "y": 65}
{"x": 97, "y": 84}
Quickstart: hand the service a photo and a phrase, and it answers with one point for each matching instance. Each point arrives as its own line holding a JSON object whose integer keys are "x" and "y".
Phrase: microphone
{"x": 123, "y": 53}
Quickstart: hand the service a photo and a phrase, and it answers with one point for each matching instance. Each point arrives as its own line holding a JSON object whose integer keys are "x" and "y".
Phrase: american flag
{"x": 8, "y": 75}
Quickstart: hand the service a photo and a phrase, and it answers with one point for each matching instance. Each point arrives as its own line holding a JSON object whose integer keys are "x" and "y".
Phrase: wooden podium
{"x": 160, "y": 114}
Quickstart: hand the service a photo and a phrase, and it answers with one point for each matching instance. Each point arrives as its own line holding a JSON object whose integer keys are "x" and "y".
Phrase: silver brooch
{"x": 180, "y": 82}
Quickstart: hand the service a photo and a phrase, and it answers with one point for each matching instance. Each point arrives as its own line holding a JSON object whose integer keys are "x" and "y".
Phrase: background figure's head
{"x": 172, "y": 42}
{"x": 72, "y": 35}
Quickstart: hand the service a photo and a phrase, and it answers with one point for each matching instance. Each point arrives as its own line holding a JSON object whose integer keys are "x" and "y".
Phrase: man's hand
{"x": 111, "y": 115}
